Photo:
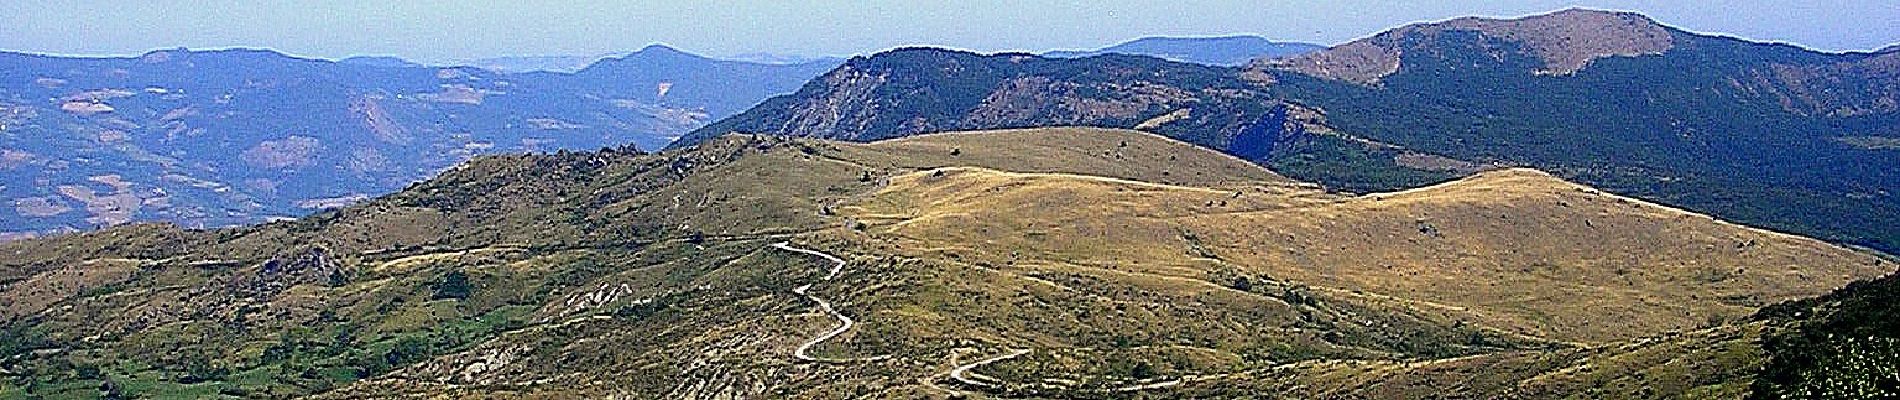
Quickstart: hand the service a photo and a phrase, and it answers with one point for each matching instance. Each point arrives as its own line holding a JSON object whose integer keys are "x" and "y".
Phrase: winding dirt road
{"x": 962, "y": 372}
{"x": 845, "y": 323}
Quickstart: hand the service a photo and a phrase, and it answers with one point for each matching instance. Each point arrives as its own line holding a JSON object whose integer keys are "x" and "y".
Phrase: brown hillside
{"x": 1517, "y": 249}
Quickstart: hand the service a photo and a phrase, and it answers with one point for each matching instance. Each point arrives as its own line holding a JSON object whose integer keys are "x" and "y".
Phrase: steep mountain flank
{"x": 1049, "y": 263}
{"x": 921, "y": 90}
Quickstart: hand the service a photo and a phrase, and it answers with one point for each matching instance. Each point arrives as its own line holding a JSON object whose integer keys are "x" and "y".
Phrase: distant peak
{"x": 174, "y": 50}
{"x": 1572, "y": 18}
{"x": 1198, "y": 38}
{"x": 654, "y": 53}
{"x": 781, "y": 59}
{"x": 1591, "y": 12}
{"x": 657, "y": 48}
{"x": 1575, "y": 15}
{"x": 1566, "y": 40}
{"x": 925, "y": 49}
{"x": 915, "y": 53}
{"x": 237, "y": 53}
{"x": 379, "y": 61}
{"x": 1227, "y": 50}
{"x": 662, "y": 51}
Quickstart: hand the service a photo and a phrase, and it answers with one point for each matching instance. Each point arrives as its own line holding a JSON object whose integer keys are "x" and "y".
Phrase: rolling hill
{"x": 1040, "y": 263}
{"x": 1767, "y": 134}
{"x": 216, "y": 138}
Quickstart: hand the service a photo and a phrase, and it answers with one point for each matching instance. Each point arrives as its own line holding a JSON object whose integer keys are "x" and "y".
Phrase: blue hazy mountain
{"x": 673, "y": 77}
{"x": 781, "y": 58}
{"x": 548, "y": 63}
{"x": 379, "y": 61}
{"x": 575, "y": 63}
{"x": 214, "y": 138}
{"x": 1224, "y": 50}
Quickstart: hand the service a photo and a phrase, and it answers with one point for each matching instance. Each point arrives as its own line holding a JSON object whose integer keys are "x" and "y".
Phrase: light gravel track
{"x": 803, "y": 352}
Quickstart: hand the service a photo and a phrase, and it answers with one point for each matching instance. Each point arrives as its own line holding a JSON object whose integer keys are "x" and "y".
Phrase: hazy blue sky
{"x": 435, "y": 30}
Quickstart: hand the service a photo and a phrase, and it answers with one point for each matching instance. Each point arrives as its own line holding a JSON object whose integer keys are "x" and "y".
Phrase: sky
{"x": 449, "y": 30}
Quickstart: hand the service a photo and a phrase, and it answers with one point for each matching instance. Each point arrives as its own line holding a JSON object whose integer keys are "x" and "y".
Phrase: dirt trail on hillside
{"x": 845, "y": 323}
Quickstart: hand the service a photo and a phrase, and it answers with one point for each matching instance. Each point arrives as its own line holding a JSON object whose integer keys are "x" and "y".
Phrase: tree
{"x": 1142, "y": 370}
{"x": 1241, "y": 283}
{"x": 453, "y": 285}
{"x": 338, "y": 278}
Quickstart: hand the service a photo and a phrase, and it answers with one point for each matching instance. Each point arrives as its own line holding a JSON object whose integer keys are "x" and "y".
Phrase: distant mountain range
{"x": 717, "y": 87}
{"x": 780, "y": 58}
{"x": 379, "y": 61}
{"x": 1766, "y": 134}
{"x": 213, "y": 138}
{"x": 571, "y": 64}
{"x": 520, "y": 64}
{"x": 1223, "y": 51}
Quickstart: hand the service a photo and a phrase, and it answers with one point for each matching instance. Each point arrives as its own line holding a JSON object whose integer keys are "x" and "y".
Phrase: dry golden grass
{"x": 33, "y": 294}
{"x": 1513, "y": 249}
{"x": 1541, "y": 256}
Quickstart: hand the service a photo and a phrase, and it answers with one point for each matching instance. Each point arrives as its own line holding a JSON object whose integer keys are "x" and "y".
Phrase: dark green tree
{"x": 454, "y": 285}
